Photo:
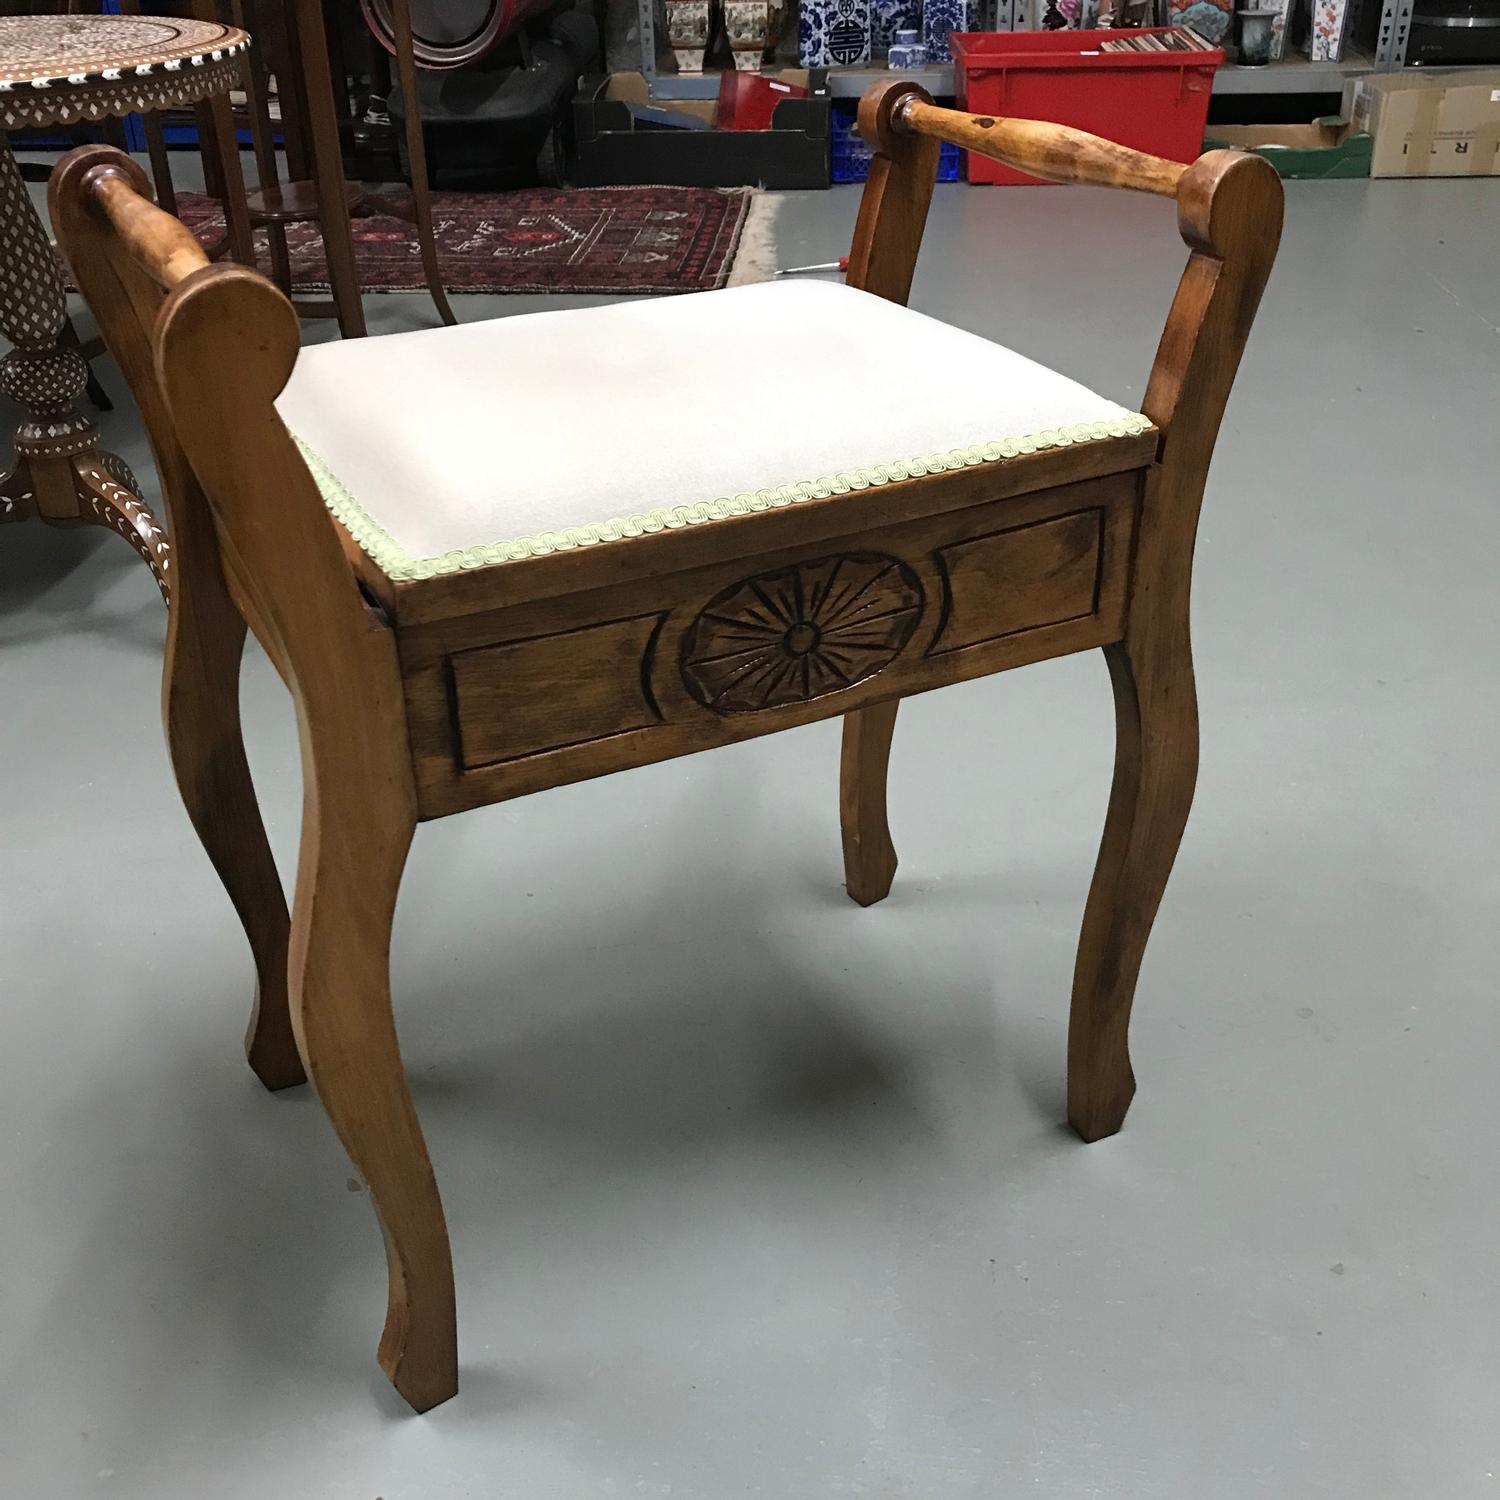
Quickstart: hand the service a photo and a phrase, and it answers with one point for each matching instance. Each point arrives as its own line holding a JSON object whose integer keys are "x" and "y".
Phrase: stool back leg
{"x": 205, "y": 626}
{"x": 869, "y": 854}
{"x": 882, "y": 260}
{"x": 201, "y": 712}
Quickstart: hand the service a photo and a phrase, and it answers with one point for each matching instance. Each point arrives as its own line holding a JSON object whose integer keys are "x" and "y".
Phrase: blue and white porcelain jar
{"x": 889, "y": 17}
{"x": 833, "y": 33}
{"x": 939, "y": 18}
{"x": 907, "y": 51}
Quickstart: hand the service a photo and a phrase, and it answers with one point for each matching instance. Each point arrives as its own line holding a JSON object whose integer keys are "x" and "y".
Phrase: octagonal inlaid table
{"x": 64, "y": 70}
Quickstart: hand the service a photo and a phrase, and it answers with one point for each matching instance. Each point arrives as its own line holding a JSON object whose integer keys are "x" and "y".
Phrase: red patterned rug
{"x": 626, "y": 239}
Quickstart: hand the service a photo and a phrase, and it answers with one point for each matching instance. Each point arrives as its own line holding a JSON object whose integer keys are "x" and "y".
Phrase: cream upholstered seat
{"x": 490, "y": 442}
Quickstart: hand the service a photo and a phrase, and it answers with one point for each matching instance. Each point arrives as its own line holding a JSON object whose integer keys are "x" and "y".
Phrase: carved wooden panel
{"x": 523, "y": 697}
{"x": 795, "y": 634}
{"x": 1020, "y": 578}
{"x": 541, "y": 692}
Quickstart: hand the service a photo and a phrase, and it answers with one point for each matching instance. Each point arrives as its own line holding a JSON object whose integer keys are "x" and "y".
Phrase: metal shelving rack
{"x": 1393, "y": 35}
{"x": 1292, "y": 75}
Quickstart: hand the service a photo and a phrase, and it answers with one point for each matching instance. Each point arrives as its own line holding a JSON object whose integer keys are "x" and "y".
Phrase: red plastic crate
{"x": 1151, "y": 101}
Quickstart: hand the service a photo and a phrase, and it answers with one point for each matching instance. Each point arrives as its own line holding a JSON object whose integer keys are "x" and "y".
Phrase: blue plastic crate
{"x": 850, "y": 157}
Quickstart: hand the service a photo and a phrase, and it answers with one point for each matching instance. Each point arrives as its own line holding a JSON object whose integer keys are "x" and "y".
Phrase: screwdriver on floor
{"x": 841, "y": 264}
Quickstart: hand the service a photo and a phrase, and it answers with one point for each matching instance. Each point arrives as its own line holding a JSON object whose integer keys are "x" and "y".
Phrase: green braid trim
{"x": 397, "y": 563}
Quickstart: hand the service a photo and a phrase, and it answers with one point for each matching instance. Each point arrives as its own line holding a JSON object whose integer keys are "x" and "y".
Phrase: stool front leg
{"x": 1156, "y": 770}
{"x": 338, "y": 657}
{"x": 352, "y": 857}
{"x": 882, "y": 261}
{"x": 1229, "y": 208}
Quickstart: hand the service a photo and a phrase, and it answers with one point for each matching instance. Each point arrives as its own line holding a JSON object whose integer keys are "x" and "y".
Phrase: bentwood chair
{"x": 293, "y": 42}
{"x": 468, "y": 605}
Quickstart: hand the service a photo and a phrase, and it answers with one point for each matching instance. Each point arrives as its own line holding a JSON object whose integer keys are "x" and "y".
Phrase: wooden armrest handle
{"x": 1056, "y": 152}
{"x": 161, "y": 245}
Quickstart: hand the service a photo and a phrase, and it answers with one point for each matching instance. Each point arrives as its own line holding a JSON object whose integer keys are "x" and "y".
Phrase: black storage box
{"x": 610, "y": 147}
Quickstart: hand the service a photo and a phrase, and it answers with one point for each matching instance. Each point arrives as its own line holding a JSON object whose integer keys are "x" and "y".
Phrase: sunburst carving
{"x": 794, "y": 635}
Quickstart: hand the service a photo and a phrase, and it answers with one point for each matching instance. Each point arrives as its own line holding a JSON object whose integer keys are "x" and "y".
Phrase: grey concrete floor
{"x": 754, "y": 1193}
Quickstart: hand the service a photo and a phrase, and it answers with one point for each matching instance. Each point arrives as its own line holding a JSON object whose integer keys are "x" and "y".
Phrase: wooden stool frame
{"x": 422, "y": 698}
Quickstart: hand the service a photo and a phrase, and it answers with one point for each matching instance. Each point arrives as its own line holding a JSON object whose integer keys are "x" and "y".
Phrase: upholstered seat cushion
{"x": 497, "y": 441}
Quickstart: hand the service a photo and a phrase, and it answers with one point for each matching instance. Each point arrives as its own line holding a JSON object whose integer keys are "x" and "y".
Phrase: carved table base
{"x": 60, "y": 473}
{"x": 61, "y": 69}
{"x": 102, "y": 491}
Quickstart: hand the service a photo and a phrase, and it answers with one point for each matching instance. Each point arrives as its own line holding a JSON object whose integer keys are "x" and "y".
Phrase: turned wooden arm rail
{"x": 1057, "y": 152}
{"x": 162, "y": 246}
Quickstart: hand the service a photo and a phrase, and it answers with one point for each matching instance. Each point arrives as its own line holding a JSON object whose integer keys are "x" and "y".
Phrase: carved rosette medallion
{"x": 794, "y": 635}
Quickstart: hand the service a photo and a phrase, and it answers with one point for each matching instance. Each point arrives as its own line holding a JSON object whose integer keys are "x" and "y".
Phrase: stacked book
{"x": 1178, "y": 39}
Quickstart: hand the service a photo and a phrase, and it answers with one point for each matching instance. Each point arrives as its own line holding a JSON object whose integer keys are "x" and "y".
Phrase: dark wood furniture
{"x": 293, "y": 45}
{"x": 67, "y": 69}
{"x": 212, "y": 144}
{"x": 216, "y": 129}
{"x": 430, "y": 692}
{"x": 436, "y": 44}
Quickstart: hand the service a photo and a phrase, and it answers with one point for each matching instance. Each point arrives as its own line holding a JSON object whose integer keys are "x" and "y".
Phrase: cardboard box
{"x": 609, "y": 150}
{"x": 1430, "y": 124}
{"x": 1326, "y": 148}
